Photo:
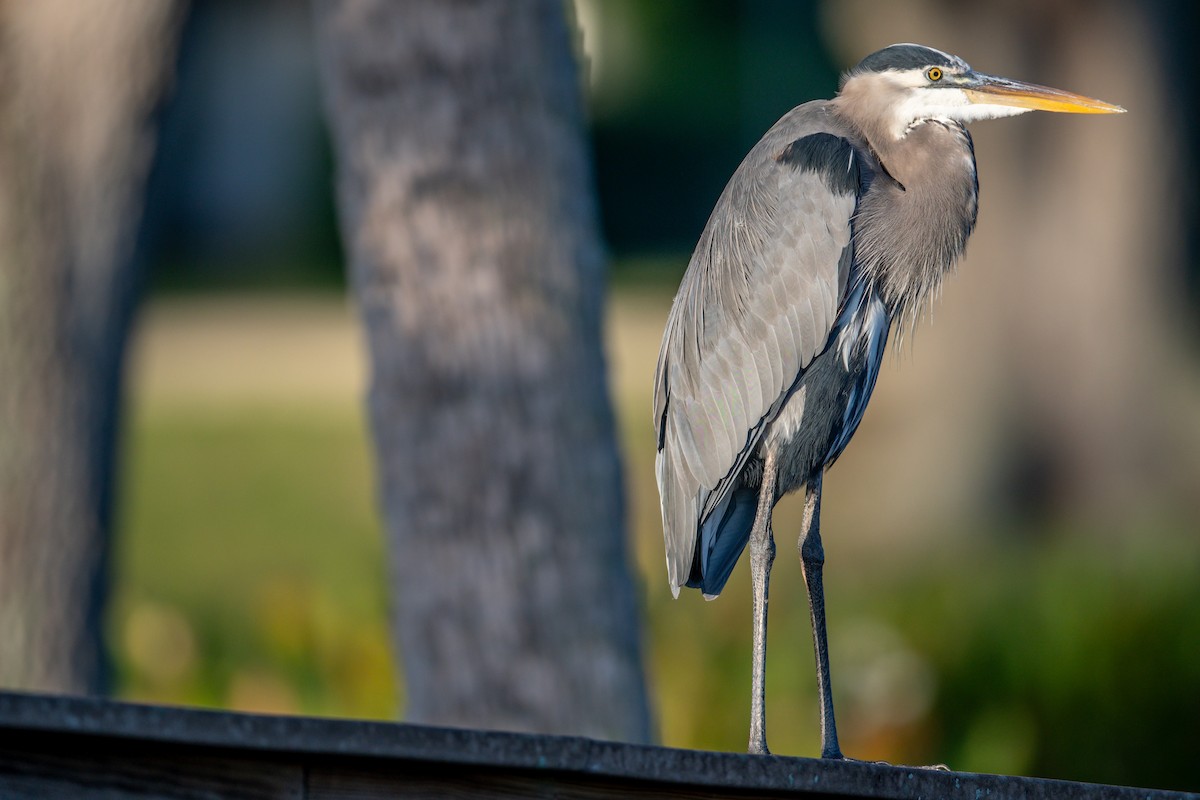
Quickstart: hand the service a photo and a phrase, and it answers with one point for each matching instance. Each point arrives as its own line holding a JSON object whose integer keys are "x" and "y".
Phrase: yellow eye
{"x": 934, "y": 74}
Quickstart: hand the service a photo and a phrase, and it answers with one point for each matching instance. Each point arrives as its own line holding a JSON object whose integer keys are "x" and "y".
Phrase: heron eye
{"x": 934, "y": 74}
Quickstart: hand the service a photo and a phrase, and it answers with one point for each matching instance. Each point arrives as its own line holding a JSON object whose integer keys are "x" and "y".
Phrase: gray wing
{"x": 755, "y": 306}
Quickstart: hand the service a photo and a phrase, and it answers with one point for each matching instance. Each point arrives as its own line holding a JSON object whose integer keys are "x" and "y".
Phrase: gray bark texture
{"x": 78, "y": 83}
{"x": 468, "y": 214}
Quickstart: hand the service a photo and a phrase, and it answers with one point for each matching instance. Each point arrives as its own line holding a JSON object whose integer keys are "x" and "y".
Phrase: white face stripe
{"x": 925, "y": 101}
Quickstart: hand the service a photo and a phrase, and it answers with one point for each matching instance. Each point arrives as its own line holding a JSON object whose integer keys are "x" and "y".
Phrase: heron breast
{"x": 824, "y": 409}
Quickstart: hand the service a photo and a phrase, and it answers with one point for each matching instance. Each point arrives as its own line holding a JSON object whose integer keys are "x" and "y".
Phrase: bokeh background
{"x": 1013, "y": 554}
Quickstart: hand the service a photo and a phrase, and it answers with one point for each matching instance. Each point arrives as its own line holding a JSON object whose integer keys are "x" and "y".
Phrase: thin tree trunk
{"x": 468, "y": 213}
{"x": 78, "y": 82}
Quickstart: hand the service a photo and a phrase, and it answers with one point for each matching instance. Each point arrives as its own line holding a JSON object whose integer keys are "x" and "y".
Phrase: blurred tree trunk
{"x": 78, "y": 82}
{"x": 467, "y": 209}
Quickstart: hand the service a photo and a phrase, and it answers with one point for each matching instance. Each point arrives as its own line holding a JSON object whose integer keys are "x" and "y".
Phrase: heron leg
{"x": 762, "y": 554}
{"x": 812, "y": 559}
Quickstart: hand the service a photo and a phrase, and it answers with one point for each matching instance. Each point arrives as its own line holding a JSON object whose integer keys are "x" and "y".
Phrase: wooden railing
{"x": 67, "y": 747}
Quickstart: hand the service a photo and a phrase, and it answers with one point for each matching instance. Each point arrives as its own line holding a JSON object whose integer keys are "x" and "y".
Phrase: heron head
{"x": 905, "y": 84}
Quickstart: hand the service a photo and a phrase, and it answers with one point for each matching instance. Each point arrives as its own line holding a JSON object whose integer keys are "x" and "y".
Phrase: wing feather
{"x": 750, "y": 378}
{"x": 754, "y": 308}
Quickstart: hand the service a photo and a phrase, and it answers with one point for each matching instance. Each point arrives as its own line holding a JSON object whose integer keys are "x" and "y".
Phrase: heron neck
{"x": 912, "y": 229}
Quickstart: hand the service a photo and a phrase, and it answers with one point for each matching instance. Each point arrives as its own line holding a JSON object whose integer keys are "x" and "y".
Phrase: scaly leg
{"x": 762, "y": 553}
{"x": 812, "y": 558}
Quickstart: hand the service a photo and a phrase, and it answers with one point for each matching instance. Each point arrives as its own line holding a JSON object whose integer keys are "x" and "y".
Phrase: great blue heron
{"x": 839, "y": 224}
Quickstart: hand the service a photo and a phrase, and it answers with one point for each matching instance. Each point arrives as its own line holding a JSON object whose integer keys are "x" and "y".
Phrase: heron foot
{"x": 935, "y": 767}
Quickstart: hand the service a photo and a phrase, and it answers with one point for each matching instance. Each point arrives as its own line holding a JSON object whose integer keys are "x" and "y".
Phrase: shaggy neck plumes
{"x": 911, "y": 229}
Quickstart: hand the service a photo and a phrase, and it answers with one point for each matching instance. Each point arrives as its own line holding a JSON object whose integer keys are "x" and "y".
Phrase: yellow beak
{"x": 1017, "y": 94}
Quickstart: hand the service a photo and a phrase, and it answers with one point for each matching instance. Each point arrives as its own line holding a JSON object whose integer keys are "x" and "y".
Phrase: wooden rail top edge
{"x": 313, "y": 737}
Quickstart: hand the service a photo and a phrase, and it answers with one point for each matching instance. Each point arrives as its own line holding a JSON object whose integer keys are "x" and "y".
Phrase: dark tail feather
{"x": 722, "y": 539}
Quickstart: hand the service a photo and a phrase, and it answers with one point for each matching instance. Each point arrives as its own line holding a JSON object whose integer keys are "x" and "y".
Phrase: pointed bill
{"x": 1018, "y": 94}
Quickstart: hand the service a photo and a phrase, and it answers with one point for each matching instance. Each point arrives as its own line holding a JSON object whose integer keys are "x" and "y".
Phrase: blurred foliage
{"x": 250, "y": 576}
{"x": 241, "y": 192}
{"x": 679, "y": 91}
{"x": 250, "y": 570}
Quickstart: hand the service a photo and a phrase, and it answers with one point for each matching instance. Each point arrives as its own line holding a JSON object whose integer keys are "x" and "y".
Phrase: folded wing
{"x": 755, "y": 306}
